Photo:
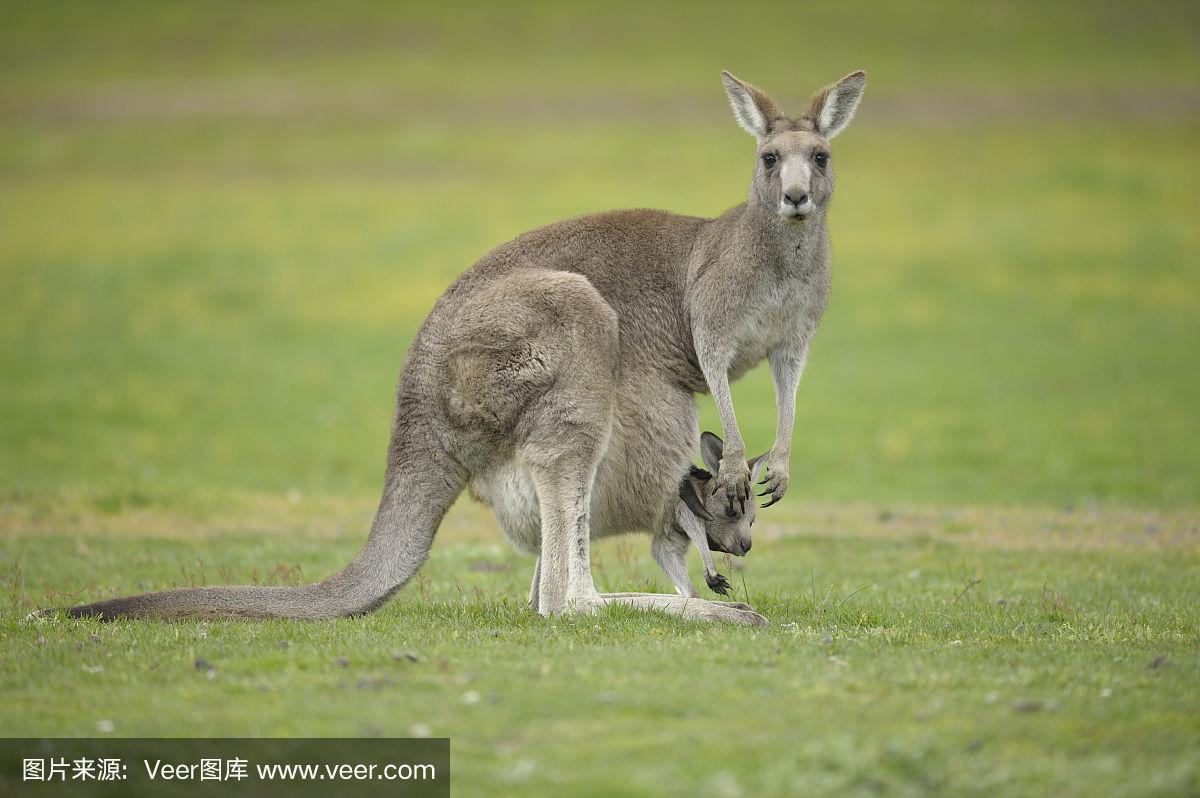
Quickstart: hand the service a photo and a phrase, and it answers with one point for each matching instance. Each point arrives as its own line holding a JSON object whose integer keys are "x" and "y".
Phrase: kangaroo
{"x": 700, "y": 521}
{"x": 555, "y": 380}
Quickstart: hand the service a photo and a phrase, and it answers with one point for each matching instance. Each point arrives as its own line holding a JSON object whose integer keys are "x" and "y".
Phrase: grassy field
{"x": 937, "y": 652}
{"x": 220, "y": 225}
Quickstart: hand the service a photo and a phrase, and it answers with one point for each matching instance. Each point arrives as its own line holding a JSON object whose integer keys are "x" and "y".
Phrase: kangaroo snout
{"x": 737, "y": 548}
{"x": 795, "y": 204}
{"x": 795, "y": 197}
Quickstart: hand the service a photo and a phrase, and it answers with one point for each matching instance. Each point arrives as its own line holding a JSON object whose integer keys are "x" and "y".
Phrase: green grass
{"x": 989, "y": 653}
{"x": 220, "y": 225}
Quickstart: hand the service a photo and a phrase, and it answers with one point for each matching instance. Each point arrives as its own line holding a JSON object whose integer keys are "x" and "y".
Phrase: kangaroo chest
{"x": 783, "y": 315}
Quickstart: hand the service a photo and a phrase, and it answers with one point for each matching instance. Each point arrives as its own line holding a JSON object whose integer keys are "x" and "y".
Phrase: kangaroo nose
{"x": 796, "y": 198}
{"x": 746, "y": 545}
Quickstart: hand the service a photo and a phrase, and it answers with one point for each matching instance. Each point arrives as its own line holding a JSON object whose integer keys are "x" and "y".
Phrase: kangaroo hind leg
{"x": 539, "y": 370}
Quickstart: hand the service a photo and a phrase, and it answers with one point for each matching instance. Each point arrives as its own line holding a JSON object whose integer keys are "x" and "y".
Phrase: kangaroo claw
{"x": 717, "y": 583}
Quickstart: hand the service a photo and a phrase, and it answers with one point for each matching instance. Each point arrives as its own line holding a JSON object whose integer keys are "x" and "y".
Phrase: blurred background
{"x": 222, "y": 223}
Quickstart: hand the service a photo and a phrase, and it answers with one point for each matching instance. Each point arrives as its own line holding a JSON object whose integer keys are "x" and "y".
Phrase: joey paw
{"x": 717, "y": 583}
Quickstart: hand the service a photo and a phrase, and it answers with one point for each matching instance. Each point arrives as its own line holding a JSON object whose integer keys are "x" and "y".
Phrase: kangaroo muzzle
{"x": 795, "y": 202}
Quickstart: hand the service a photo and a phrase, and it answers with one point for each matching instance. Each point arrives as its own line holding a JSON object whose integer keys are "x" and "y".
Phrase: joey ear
{"x": 691, "y": 490}
{"x": 711, "y": 450}
{"x": 756, "y": 464}
{"x": 832, "y": 108}
{"x": 752, "y": 108}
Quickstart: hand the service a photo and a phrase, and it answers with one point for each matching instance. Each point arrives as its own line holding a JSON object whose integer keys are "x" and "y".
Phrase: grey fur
{"x": 554, "y": 380}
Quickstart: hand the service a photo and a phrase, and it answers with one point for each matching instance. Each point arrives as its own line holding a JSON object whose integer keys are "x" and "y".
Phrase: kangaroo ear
{"x": 832, "y": 108}
{"x": 711, "y": 449}
{"x": 752, "y": 108}
{"x": 691, "y": 490}
{"x": 756, "y": 464}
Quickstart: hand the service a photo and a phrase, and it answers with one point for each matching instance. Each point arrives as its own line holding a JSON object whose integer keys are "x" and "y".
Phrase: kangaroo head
{"x": 793, "y": 173}
{"x": 726, "y": 533}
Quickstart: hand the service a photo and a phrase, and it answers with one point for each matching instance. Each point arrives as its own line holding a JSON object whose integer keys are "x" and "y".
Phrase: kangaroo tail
{"x": 421, "y": 484}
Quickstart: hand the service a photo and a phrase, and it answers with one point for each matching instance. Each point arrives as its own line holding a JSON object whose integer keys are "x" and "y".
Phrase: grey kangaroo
{"x": 555, "y": 379}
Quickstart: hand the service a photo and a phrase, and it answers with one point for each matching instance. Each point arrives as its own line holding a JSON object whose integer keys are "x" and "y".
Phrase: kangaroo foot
{"x": 693, "y": 609}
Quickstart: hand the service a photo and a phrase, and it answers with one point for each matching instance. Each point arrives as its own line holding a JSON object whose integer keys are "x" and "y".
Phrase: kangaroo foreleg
{"x": 733, "y": 476}
{"x": 787, "y": 366}
{"x": 693, "y": 528}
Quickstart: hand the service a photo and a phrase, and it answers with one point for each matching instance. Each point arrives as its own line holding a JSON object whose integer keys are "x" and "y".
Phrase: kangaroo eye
{"x": 769, "y": 160}
{"x": 821, "y": 158}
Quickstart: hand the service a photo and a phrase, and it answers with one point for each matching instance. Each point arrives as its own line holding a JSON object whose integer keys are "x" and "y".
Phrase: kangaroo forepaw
{"x": 733, "y": 482}
{"x": 774, "y": 482}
